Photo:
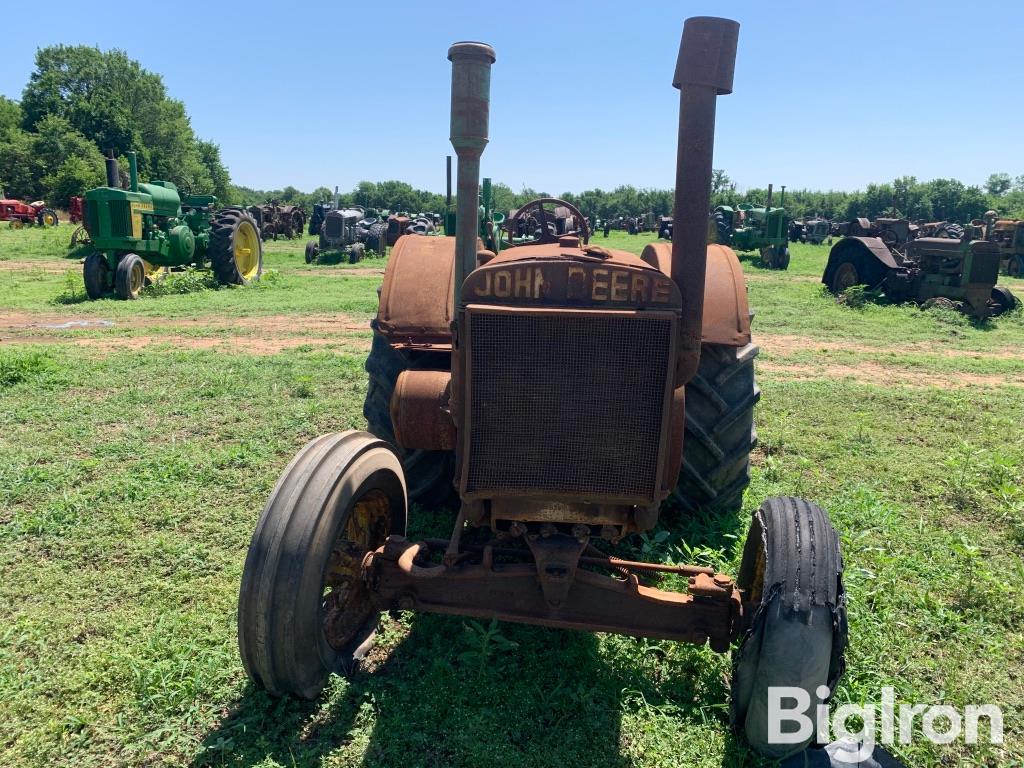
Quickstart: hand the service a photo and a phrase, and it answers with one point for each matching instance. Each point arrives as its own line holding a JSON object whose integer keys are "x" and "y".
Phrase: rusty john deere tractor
{"x": 961, "y": 274}
{"x": 553, "y": 385}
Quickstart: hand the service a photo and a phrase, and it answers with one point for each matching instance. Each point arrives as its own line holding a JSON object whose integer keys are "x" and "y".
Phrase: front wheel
{"x": 312, "y": 252}
{"x": 791, "y": 577}
{"x": 1003, "y": 300}
{"x": 130, "y": 277}
{"x": 355, "y": 253}
{"x": 96, "y": 274}
{"x": 304, "y": 610}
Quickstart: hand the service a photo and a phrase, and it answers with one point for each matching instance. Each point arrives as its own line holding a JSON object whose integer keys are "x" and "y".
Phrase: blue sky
{"x": 827, "y": 95}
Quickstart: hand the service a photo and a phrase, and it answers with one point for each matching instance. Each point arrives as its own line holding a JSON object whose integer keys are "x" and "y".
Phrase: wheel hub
{"x": 346, "y": 598}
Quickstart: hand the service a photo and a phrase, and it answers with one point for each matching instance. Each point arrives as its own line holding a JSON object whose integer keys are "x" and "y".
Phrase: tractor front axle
{"x": 555, "y": 591}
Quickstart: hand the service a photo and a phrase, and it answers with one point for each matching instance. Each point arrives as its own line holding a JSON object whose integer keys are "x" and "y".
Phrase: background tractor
{"x": 1008, "y": 237}
{"x": 551, "y": 386}
{"x": 753, "y": 228}
{"x": 276, "y": 220}
{"x": 962, "y": 273}
{"x": 316, "y": 218}
{"x": 21, "y": 214}
{"x": 345, "y": 235}
{"x": 137, "y": 231}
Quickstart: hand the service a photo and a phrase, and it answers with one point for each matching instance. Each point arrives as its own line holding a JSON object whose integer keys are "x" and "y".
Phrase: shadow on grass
{"x": 555, "y": 699}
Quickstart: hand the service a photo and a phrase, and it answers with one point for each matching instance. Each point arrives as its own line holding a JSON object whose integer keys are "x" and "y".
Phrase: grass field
{"x": 139, "y": 440}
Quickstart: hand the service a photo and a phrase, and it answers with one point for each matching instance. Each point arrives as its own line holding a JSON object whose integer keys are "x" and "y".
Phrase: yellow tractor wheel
{"x": 236, "y": 250}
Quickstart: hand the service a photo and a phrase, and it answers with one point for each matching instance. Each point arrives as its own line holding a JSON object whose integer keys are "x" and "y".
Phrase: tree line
{"x": 80, "y": 102}
{"x": 935, "y": 200}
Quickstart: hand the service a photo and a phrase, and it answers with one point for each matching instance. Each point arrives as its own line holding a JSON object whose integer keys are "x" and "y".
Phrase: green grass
{"x": 131, "y": 477}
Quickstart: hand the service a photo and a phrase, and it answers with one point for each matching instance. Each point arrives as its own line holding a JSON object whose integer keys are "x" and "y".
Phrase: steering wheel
{"x": 541, "y": 223}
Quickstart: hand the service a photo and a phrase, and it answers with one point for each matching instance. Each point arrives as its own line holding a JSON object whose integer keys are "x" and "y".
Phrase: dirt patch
{"x": 786, "y": 345}
{"x": 257, "y": 335}
{"x": 346, "y": 272}
{"x": 49, "y": 267}
{"x": 869, "y": 372}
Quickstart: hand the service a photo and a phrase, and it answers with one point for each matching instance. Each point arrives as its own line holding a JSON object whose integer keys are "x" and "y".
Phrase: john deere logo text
{"x": 598, "y": 284}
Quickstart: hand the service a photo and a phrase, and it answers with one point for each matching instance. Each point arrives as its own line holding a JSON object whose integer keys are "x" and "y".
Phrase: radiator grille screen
{"x": 333, "y": 226}
{"x": 120, "y": 218}
{"x": 92, "y": 220}
{"x": 984, "y": 266}
{"x": 567, "y": 404}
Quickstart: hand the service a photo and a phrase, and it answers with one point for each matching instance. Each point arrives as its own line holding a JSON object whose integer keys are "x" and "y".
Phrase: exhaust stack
{"x": 471, "y": 98}
{"x": 113, "y": 172}
{"x": 133, "y": 172}
{"x": 704, "y": 71}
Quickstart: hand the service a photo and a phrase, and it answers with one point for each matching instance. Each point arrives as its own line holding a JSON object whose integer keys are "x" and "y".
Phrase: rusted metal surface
{"x": 600, "y": 387}
{"x": 401, "y": 577}
{"x": 414, "y": 314}
{"x": 421, "y": 411}
{"x": 470, "y": 116}
{"x": 415, "y": 304}
{"x": 704, "y": 70}
{"x": 276, "y": 219}
{"x": 726, "y": 316}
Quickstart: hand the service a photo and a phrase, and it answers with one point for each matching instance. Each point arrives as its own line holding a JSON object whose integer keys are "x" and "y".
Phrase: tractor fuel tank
{"x": 165, "y": 197}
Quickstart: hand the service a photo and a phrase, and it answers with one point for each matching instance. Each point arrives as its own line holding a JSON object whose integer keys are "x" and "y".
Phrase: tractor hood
{"x": 569, "y": 275}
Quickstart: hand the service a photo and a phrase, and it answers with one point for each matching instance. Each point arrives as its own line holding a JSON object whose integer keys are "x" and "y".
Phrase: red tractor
{"x": 21, "y": 214}
{"x": 75, "y": 210}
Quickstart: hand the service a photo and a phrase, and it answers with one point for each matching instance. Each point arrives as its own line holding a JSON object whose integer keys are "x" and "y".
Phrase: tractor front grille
{"x": 567, "y": 403}
{"x": 91, "y": 219}
{"x": 984, "y": 264}
{"x": 333, "y": 227}
{"x": 120, "y": 218}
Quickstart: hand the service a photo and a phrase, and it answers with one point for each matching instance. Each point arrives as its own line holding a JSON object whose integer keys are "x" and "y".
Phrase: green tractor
{"x": 490, "y": 221}
{"x": 138, "y": 232}
{"x": 753, "y": 228}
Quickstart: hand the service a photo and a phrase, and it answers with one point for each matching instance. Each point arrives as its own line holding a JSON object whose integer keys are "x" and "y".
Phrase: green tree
{"x": 10, "y": 116}
{"x": 119, "y": 106}
{"x": 998, "y": 184}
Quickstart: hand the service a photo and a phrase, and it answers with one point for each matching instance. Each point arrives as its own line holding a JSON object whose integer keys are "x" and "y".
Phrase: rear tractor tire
{"x": 130, "y": 277}
{"x": 96, "y": 274}
{"x": 376, "y": 237}
{"x": 846, "y": 275}
{"x": 791, "y": 577}
{"x": 719, "y": 432}
{"x": 47, "y": 217}
{"x": 1015, "y": 266}
{"x": 236, "y": 251}
{"x": 304, "y": 610}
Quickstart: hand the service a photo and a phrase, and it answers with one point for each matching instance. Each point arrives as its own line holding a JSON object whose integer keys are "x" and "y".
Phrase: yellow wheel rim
{"x": 49, "y": 219}
{"x": 152, "y": 271}
{"x": 247, "y": 251}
